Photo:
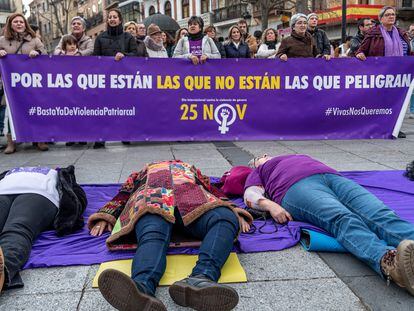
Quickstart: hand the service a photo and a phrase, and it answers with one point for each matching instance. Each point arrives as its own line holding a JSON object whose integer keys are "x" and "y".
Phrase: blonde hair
{"x": 127, "y": 24}
{"x": 264, "y": 35}
{"x": 229, "y": 39}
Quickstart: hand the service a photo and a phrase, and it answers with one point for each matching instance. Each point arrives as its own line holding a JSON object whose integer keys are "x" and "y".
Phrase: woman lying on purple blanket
{"x": 301, "y": 188}
{"x": 142, "y": 215}
{"x": 33, "y": 200}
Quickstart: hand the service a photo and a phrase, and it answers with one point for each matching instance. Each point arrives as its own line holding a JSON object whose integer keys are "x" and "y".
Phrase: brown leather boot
{"x": 11, "y": 146}
{"x": 398, "y": 265}
{"x": 42, "y": 146}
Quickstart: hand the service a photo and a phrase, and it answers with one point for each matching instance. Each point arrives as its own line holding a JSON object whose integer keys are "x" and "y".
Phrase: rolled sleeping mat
{"x": 314, "y": 241}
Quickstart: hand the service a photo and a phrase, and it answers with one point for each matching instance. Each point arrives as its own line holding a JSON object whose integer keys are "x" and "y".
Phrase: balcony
{"x": 94, "y": 20}
{"x": 229, "y": 13}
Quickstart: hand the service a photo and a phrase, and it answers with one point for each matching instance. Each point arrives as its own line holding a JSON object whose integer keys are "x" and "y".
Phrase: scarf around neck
{"x": 152, "y": 45}
{"x": 393, "y": 45}
{"x": 115, "y": 31}
{"x": 195, "y": 37}
{"x": 271, "y": 45}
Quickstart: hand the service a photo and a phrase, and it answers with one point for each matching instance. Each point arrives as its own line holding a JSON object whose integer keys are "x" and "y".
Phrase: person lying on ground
{"x": 33, "y": 200}
{"x": 301, "y": 188}
{"x": 149, "y": 205}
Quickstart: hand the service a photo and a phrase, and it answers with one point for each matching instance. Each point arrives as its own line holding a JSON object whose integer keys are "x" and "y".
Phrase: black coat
{"x": 233, "y": 52}
{"x": 108, "y": 45}
{"x": 322, "y": 42}
{"x": 72, "y": 202}
{"x": 220, "y": 48}
{"x": 141, "y": 49}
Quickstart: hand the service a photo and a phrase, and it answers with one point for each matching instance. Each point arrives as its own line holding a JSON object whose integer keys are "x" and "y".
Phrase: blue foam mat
{"x": 314, "y": 241}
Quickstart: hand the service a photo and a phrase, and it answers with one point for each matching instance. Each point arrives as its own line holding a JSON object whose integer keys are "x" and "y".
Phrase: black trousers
{"x": 22, "y": 218}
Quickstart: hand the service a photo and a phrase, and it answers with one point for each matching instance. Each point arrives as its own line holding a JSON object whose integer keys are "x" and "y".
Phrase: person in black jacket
{"x": 114, "y": 42}
{"x": 33, "y": 200}
{"x": 212, "y": 32}
{"x": 235, "y": 47}
{"x": 132, "y": 28}
{"x": 321, "y": 39}
{"x": 364, "y": 25}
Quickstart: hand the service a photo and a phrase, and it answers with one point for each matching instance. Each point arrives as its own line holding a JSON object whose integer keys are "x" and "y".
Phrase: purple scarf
{"x": 393, "y": 45}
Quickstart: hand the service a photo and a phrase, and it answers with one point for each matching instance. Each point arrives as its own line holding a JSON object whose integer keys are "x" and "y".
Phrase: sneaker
{"x": 70, "y": 143}
{"x": 402, "y": 135}
{"x": 200, "y": 293}
{"x": 398, "y": 265}
{"x": 83, "y": 143}
{"x": 123, "y": 294}
{"x": 126, "y": 142}
{"x": 2, "y": 276}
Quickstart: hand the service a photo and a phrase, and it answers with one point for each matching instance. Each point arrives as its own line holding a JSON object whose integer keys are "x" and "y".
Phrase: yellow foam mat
{"x": 180, "y": 267}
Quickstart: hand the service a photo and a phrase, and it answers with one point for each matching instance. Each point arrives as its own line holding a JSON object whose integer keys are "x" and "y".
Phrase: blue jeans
{"x": 217, "y": 228}
{"x": 362, "y": 223}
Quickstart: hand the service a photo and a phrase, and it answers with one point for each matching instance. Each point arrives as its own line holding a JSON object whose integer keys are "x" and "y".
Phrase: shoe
{"x": 401, "y": 135}
{"x": 2, "y": 276}
{"x": 98, "y": 145}
{"x": 398, "y": 265}
{"x": 200, "y": 293}
{"x": 69, "y": 143}
{"x": 42, "y": 146}
{"x": 411, "y": 116}
{"x": 126, "y": 142}
{"x": 83, "y": 143}
{"x": 123, "y": 294}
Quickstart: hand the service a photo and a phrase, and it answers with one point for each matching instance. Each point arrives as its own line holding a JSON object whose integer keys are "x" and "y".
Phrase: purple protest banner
{"x": 137, "y": 99}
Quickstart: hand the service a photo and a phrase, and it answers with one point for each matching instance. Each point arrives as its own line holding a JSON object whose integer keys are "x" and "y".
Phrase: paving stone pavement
{"x": 291, "y": 279}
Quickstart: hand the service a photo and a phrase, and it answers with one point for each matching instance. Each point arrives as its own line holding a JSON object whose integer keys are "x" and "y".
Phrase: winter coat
{"x": 72, "y": 202}
{"x": 265, "y": 52}
{"x": 298, "y": 46}
{"x": 30, "y": 44}
{"x": 355, "y": 43}
{"x": 85, "y": 46}
{"x": 108, "y": 45}
{"x": 232, "y": 52}
{"x": 374, "y": 45}
{"x": 208, "y": 47}
{"x": 220, "y": 48}
{"x": 141, "y": 49}
{"x": 160, "y": 188}
{"x": 321, "y": 40}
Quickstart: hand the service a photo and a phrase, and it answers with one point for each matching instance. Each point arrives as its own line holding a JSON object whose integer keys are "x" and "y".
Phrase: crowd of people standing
{"x": 198, "y": 43}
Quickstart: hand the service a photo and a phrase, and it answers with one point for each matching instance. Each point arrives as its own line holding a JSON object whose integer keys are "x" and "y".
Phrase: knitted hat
{"x": 153, "y": 29}
{"x": 295, "y": 18}
{"x": 310, "y": 15}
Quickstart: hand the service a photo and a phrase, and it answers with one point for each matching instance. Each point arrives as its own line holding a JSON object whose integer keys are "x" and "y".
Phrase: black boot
{"x": 200, "y": 293}
{"x": 98, "y": 145}
{"x": 401, "y": 135}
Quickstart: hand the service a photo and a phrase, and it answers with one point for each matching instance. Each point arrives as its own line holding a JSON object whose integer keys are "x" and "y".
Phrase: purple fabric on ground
{"x": 83, "y": 249}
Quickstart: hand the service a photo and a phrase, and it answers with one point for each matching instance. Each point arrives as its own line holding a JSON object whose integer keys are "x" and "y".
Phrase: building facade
{"x": 8, "y": 7}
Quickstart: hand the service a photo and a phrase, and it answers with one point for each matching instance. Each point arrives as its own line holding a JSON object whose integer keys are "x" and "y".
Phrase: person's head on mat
{"x": 257, "y": 161}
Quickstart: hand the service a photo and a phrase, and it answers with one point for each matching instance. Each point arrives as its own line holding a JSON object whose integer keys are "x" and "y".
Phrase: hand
{"x": 279, "y": 214}
{"x": 283, "y": 57}
{"x": 33, "y": 54}
{"x": 194, "y": 59}
{"x": 244, "y": 225}
{"x": 3, "y": 53}
{"x": 361, "y": 56}
{"x": 327, "y": 57}
{"x": 119, "y": 56}
{"x": 203, "y": 58}
{"x": 100, "y": 227}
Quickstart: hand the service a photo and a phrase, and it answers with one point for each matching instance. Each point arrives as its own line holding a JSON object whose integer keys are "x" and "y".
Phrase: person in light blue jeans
{"x": 301, "y": 188}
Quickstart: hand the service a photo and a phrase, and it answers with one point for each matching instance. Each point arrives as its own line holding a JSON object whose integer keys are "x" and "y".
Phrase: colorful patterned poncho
{"x": 160, "y": 188}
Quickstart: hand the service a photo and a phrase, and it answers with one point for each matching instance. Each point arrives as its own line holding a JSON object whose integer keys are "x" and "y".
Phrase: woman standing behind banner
{"x": 300, "y": 43}
{"x": 235, "y": 47}
{"x": 132, "y": 28}
{"x": 212, "y": 33}
{"x": 269, "y": 46}
{"x": 385, "y": 39}
{"x": 153, "y": 42}
{"x": 196, "y": 47}
{"x": 19, "y": 38}
{"x": 182, "y": 32}
{"x": 114, "y": 42}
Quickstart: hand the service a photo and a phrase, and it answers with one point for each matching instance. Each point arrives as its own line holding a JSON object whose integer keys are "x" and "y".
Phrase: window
{"x": 151, "y": 10}
{"x": 205, "y": 6}
{"x": 186, "y": 8}
{"x": 167, "y": 8}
